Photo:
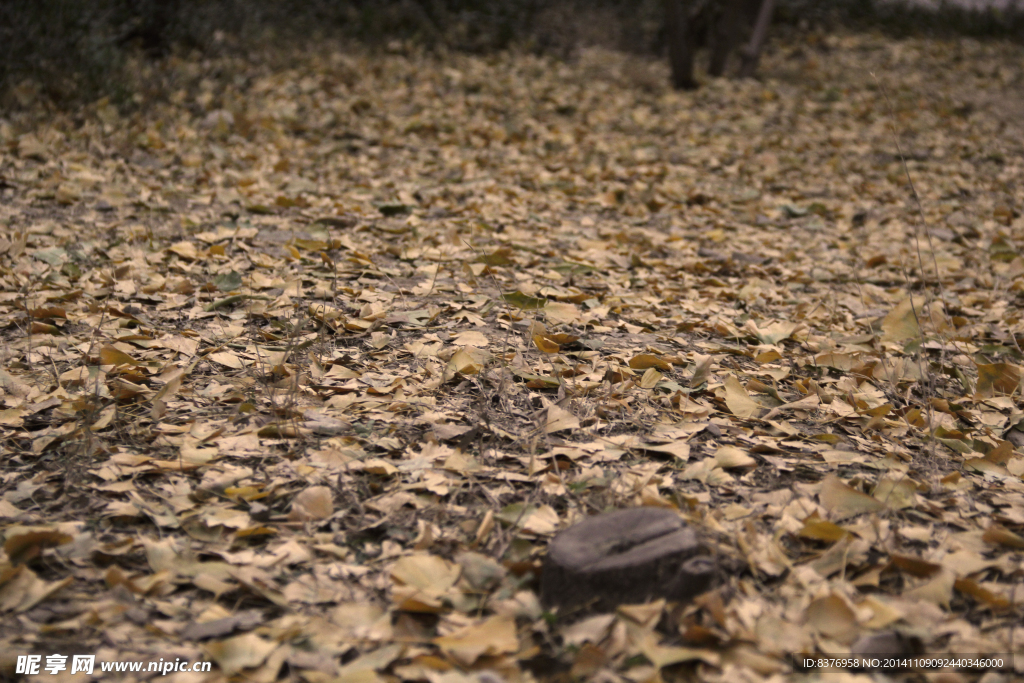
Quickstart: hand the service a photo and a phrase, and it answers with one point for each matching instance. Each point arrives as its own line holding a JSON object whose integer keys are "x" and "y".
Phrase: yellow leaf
{"x": 902, "y": 322}
{"x": 821, "y": 530}
{"x": 728, "y": 457}
{"x": 168, "y": 390}
{"x": 473, "y": 338}
{"x": 25, "y": 543}
{"x": 241, "y": 652}
{"x": 500, "y": 257}
{"x": 561, "y": 313}
{"x": 426, "y": 572}
{"x": 494, "y": 636}
{"x": 185, "y": 250}
{"x": 701, "y": 370}
{"x": 106, "y": 416}
{"x": 832, "y": 617}
{"x": 315, "y": 503}
{"x": 915, "y": 566}
{"x": 545, "y": 344}
{"x": 49, "y": 312}
{"x": 111, "y": 356}
{"x": 650, "y": 379}
{"x": 363, "y": 669}
{"x": 738, "y": 400}
{"x": 843, "y": 501}
{"x": 839, "y": 361}
{"x": 997, "y": 378}
{"x": 562, "y": 338}
{"x": 465, "y": 362}
{"x": 1000, "y": 536}
{"x": 937, "y": 590}
{"x": 12, "y": 417}
{"x": 524, "y": 301}
{"x": 559, "y": 419}
{"x": 646, "y": 641}
{"x": 1001, "y": 454}
{"x": 896, "y": 494}
{"x": 981, "y": 594}
{"x": 647, "y": 360}
{"x": 228, "y": 359}
{"x": 22, "y": 589}
{"x": 772, "y": 333}
{"x": 678, "y": 449}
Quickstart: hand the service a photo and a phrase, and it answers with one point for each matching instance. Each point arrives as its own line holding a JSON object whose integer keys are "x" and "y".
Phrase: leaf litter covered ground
{"x": 305, "y": 364}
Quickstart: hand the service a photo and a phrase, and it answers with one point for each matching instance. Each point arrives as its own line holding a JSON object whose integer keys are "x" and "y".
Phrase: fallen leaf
{"x": 559, "y": 419}
{"x": 844, "y": 502}
{"x": 739, "y": 401}
{"x": 315, "y": 503}
{"x": 902, "y": 322}
{"x": 493, "y": 636}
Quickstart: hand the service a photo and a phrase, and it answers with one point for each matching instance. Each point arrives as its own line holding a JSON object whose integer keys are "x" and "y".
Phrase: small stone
{"x": 626, "y": 557}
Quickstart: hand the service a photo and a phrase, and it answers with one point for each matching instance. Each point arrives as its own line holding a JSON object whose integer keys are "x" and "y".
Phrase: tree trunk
{"x": 680, "y": 45}
{"x": 752, "y": 53}
{"x": 724, "y": 34}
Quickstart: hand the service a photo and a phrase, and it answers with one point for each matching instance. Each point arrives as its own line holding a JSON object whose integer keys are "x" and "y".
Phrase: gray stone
{"x": 626, "y": 557}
